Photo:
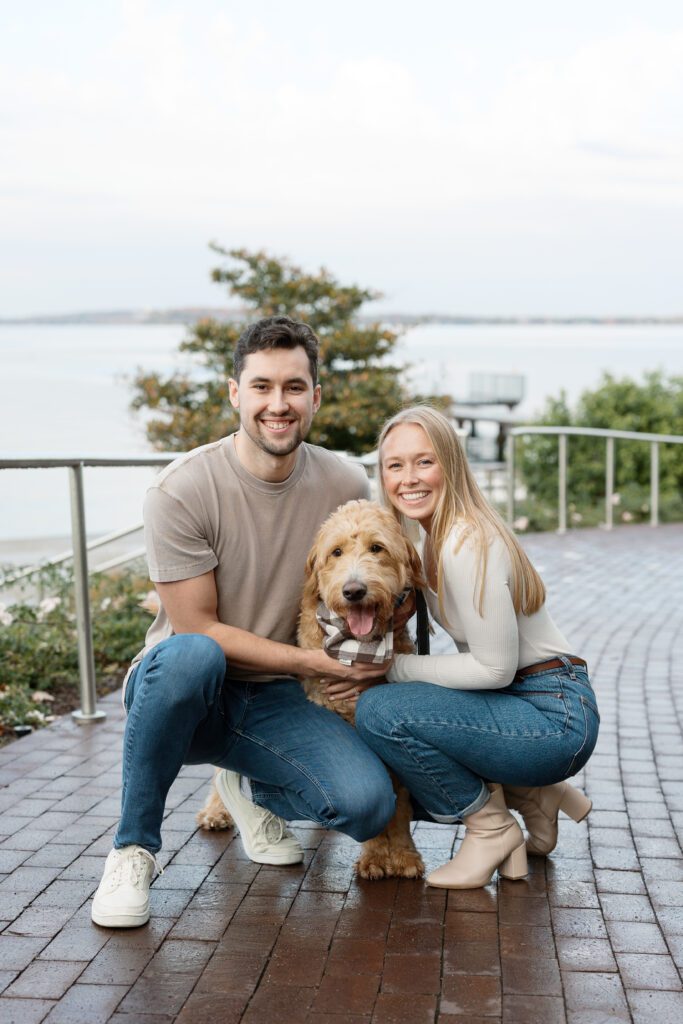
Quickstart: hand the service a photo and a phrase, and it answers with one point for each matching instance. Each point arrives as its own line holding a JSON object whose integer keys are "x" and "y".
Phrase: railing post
{"x": 609, "y": 484}
{"x": 562, "y": 484}
{"x": 654, "y": 483}
{"x": 86, "y": 662}
{"x": 510, "y": 459}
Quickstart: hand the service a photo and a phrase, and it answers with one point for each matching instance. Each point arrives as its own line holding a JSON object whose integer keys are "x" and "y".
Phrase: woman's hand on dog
{"x": 343, "y": 682}
{"x": 350, "y": 690}
{"x": 357, "y": 678}
{"x": 329, "y": 670}
{"x": 360, "y": 677}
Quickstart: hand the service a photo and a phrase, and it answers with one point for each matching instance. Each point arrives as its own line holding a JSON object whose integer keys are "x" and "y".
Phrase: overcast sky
{"x": 499, "y": 157}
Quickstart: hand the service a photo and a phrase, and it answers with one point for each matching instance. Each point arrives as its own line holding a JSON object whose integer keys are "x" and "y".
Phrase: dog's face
{"x": 360, "y": 563}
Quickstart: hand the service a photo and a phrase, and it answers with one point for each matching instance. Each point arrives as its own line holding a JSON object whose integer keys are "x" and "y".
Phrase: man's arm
{"x": 192, "y": 607}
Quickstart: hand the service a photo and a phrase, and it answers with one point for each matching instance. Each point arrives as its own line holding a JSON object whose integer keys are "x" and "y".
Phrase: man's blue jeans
{"x": 442, "y": 743}
{"x": 304, "y": 762}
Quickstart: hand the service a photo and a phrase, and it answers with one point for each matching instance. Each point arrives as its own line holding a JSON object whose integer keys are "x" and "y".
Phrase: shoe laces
{"x": 131, "y": 867}
{"x": 273, "y": 829}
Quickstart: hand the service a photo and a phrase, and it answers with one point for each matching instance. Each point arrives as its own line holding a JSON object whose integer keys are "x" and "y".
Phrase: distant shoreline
{"x": 190, "y": 315}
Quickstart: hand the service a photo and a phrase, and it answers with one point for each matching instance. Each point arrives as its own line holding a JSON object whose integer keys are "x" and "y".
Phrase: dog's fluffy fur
{"x": 361, "y": 543}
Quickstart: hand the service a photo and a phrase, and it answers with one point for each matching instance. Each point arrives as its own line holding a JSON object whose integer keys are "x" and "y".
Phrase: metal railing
{"x": 610, "y": 436}
{"x": 88, "y": 711}
{"x": 66, "y": 556}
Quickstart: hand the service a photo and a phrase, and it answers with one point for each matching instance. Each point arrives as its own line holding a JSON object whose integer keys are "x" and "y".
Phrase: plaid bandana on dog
{"x": 339, "y": 643}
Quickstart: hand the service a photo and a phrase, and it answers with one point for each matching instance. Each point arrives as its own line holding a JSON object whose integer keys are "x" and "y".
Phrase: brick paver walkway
{"x": 594, "y": 935}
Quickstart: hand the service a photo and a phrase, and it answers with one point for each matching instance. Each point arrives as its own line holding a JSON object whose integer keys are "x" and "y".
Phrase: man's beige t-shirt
{"x": 205, "y": 511}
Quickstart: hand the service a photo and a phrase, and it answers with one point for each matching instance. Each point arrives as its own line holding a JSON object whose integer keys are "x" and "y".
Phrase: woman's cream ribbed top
{"x": 492, "y": 647}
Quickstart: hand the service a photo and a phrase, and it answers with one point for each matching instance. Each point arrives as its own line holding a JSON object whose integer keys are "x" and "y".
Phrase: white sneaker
{"x": 265, "y": 837}
{"x": 122, "y": 898}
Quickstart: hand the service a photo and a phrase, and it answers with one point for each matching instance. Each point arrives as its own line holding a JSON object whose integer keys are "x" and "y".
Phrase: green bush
{"x": 654, "y": 406}
{"x": 39, "y": 646}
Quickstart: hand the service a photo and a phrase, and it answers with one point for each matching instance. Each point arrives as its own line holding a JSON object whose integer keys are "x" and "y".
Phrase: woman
{"x": 513, "y": 705}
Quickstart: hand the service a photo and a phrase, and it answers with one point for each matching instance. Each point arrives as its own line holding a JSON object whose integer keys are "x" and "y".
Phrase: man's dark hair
{"x": 276, "y": 332}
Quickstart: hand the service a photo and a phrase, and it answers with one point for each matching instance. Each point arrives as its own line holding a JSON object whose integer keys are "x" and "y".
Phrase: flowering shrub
{"x": 38, "y": 644}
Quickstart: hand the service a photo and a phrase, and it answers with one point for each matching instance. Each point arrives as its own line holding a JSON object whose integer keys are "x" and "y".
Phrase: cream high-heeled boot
{"x": 540, "y": 806}
{"x": 493, "y": 839}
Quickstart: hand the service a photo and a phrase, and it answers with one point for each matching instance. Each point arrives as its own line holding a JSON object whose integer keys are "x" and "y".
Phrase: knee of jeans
{"x": 365, "y": 810}
{"x": 196, "y": 664}
{"x": 370, "y": 724}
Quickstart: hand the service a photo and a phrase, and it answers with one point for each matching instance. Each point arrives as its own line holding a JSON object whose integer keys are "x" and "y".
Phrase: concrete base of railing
{"x": 82, "y": 719}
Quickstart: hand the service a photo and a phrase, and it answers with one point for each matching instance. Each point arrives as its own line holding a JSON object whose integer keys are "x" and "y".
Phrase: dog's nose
{"x": 354, "y": 591}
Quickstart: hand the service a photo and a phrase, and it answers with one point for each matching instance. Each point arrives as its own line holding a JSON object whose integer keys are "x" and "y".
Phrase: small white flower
{"x": 104, "y": 604}
{"x": 626, "y": 517}
{"x": 47, "y": 605}
{"x": 522, "y": 523}
{"x": 616, "y": 499}
{"x": 150, "y": 602}
{"x": 6, "y": 619}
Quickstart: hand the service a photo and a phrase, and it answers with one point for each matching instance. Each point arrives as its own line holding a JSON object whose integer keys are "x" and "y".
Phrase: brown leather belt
{"x": 548, "y": 666}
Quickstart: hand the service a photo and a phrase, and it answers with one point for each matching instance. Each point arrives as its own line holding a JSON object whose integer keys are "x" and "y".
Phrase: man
{"x": 227, "y": 529}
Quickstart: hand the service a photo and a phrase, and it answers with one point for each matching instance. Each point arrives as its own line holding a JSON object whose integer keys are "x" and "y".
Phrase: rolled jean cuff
{"x": 476, "y": 805}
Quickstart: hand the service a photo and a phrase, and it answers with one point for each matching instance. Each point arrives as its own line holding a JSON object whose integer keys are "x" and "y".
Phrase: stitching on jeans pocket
{"x": 540, "y": 693}
{"x": 234, "y": 724}
{"x": 591, "y": 705}
{"x": 572, "y": 769}
{"x": 562, "y": 708}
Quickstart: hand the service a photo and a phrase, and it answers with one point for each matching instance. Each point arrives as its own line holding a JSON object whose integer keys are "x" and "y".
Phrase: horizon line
{"x": 190, "y": 314}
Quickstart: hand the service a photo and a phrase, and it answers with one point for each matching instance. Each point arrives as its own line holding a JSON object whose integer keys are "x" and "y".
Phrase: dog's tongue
{"x": 360, "y": 621}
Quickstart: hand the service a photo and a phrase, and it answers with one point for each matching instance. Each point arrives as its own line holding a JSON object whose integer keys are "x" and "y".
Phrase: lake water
{"x": 66, "y": 390}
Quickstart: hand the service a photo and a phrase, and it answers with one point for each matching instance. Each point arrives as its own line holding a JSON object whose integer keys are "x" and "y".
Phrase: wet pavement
{"x": 595, "y": 934}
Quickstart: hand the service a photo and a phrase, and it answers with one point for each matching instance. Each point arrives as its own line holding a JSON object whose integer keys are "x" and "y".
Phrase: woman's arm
{"x": 493, "y": 639}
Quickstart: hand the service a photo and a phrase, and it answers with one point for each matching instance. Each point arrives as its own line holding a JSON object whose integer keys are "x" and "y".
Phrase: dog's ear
{"x": 310, "y": 564}
{"x": 416, "y": 570}
{"x": 309, "y": 595}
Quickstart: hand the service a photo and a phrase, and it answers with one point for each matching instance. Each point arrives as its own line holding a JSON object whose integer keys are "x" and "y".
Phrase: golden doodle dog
{"x": 359, "y": 570}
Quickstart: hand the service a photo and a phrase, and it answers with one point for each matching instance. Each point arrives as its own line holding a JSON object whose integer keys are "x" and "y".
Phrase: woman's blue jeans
{"x": 443, "y": 744}
{"x": 304, "y": 762}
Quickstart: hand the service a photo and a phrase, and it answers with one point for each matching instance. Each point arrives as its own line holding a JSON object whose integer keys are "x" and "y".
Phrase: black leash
{"x": 422, "y": 623}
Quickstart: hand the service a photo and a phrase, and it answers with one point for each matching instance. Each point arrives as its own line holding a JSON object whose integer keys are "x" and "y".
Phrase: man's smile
{"x": 277, "y": 425}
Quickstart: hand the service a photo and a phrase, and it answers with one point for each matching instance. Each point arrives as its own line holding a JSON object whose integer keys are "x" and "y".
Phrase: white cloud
{"x": 176, "y": 123}
{"x": 179, "y": 113}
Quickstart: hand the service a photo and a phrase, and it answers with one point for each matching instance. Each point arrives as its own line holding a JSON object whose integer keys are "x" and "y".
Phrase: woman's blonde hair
{"x": 462, "y": 501}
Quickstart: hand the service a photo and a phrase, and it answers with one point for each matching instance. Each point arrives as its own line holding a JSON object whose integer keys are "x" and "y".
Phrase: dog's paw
{"x": 372, "y": 867}
{"x": 214, "y": 822}
{"x": 213, "y": 815}
{"x": 406, "y": 864}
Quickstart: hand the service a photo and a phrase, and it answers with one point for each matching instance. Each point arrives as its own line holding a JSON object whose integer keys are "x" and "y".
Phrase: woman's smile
{"x": 412, "y": 477}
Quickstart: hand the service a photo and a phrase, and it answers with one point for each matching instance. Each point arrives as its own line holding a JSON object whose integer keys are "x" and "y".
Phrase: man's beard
{"x": 270, "y": 445}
